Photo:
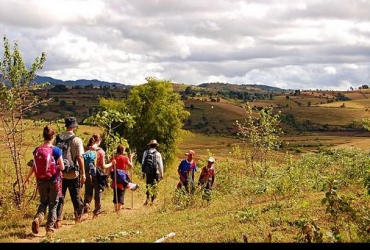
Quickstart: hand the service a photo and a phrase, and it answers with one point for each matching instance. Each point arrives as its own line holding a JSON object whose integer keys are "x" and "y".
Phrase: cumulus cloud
{"x": 303, "y": 44}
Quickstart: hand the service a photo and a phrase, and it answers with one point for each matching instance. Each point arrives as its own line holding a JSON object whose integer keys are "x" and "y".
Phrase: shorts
{"x": 120, "y": 196}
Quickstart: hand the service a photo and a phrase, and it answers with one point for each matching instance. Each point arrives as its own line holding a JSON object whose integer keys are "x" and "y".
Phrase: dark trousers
{"x": 92, "y": 188}
{"x": 48, "y": 190}
{"x": 151, "y": 186}
{"x": 120, "y": 195}
{"x": 73, "y": 185}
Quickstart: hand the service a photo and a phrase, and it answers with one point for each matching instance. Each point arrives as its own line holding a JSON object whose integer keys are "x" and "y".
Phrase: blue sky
{"x": 295, "y": 44}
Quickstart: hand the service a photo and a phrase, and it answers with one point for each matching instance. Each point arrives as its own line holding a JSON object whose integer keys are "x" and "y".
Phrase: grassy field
{"x": 282, "y": 205}
{"x": 238, "y": 212}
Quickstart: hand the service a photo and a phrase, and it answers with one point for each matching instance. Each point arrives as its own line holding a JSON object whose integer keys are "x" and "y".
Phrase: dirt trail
{"x": 134, "y": 206}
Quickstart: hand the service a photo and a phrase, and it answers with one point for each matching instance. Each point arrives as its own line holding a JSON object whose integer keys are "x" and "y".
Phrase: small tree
{"x": 159, "y": 114}
{"x": 261, "y": 130}
{"x": 16, "y": 98}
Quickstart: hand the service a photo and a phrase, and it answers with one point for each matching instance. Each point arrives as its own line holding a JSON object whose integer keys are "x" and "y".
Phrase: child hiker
{"x": 207, "y": 178}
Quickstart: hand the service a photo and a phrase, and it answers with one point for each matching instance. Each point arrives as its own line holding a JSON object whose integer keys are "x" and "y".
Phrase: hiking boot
{"x": 35, "y": 225}
{"x": 145, "y": 203}
{"x": 58, "y": 224}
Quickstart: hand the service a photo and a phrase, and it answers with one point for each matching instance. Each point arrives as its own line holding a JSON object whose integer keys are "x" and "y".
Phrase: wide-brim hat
{"x": 70, "y": 122}
{"x": 153, "y": 142}
{"x": 190, "y": 152}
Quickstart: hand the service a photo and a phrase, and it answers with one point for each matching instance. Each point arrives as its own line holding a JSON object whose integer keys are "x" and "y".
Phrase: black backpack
{"x": 150, "y": 163}
{"x": 65, "y": 145}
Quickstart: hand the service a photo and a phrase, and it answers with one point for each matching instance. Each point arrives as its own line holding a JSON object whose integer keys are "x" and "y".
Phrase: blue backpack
{"x": 122, "y": 176}
{"x": 90, "y": 158}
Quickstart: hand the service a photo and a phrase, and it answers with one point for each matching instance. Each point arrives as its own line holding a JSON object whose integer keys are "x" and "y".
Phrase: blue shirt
{"x": 184, "y": 167}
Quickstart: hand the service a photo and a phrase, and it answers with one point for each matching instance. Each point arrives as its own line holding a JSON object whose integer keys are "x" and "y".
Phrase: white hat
{"x": 211, "y": 159}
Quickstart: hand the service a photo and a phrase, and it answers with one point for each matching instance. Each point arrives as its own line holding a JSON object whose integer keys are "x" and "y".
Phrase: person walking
{"x": 207, "y": 178}
{"x": 152, "y": 177}
{"x": 75, "y": 177}
{"x": 123, "y": 162}
{"x": 48, "y": 182}
{"x": 186, "y": 170}
{"x": 95, "y": 187}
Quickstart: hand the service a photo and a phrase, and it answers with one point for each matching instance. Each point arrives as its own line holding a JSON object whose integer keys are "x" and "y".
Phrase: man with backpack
{"x": 98, "y": 181}
{"x": 74, "y": 174}
{"x": 152, "y": 170}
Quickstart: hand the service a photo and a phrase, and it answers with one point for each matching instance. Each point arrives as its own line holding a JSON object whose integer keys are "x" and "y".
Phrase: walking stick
{"x": 132, "y": 192}
{"x": 115, "y": 187}
{"x": 131, "y": 177}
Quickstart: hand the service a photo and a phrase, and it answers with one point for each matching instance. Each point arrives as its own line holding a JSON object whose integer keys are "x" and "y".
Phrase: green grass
{"x": 242, "y": 206}
{"x": 239, "y": 206}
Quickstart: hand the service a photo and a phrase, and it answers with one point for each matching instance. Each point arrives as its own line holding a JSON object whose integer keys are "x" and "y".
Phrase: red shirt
{"x": 121, "y": 163}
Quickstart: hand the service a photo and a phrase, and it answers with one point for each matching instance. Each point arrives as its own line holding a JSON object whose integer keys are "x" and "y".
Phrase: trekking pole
{"x": 131, "y": 177}
{"x": 132, "y": 192}
{"x": 115, "y": 185}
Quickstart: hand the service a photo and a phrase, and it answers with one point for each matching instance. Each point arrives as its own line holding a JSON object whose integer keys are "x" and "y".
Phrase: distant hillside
{"x": 210, "y": 86}
{"x": 82, "y": 82}
{"x": 244, "y": 87}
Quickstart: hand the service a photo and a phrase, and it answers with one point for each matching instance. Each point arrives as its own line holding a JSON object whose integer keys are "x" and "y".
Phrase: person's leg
{"x": 89, "y": 190}
{"x": 150, "y": 188}
{"x": 154, "y": 189}
{"x": 120, "y": 194}
{"x": 97, "y": 196}
{"x": 41, "y": 210}
{"x": 59, "y": 210}
{"x": 74, "y": 191}
{"x": 149, "y": 183}
{"x": 115, "y": 198}
{"x": 52, "y": 204}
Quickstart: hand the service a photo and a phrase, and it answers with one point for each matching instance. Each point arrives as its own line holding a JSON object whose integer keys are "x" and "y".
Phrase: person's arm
{"x": 26, "y": 180}
{"x": 142, "y": 165}
{"x": 160, "y": 166}
{"x": 80, "y": 159}
{"x": 182, "y": 177}
{"x": 201, "y": 177}
{"x": 81, "y": 163}
{"x": 102, "y": 161}
{"x": 129, "y": 162}
{"x": 213, "y": 178}
{"x": 59, "y": 160}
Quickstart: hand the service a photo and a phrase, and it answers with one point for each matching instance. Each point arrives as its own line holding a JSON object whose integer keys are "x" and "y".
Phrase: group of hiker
{"x": 64, "y": 167}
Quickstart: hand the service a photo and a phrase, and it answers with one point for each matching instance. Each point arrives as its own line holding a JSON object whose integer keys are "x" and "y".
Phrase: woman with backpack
{"x": 47, "y": 166}
{"x": 94, "y": 185}
{"x": 121, "y": 162}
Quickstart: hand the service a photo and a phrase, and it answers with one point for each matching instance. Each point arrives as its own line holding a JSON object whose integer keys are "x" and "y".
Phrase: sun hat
{"x": 153, "y": 142}
{"x": 211, "y": 159}
{"x": 70, "y": 122}
{"x": 190, "y": 152}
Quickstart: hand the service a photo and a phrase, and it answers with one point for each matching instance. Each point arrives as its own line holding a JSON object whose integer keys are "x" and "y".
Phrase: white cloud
{"x": 289, "y": 44}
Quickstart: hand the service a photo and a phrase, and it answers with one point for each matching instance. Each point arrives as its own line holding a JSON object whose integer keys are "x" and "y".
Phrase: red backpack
{"x": 45, "y": 165}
